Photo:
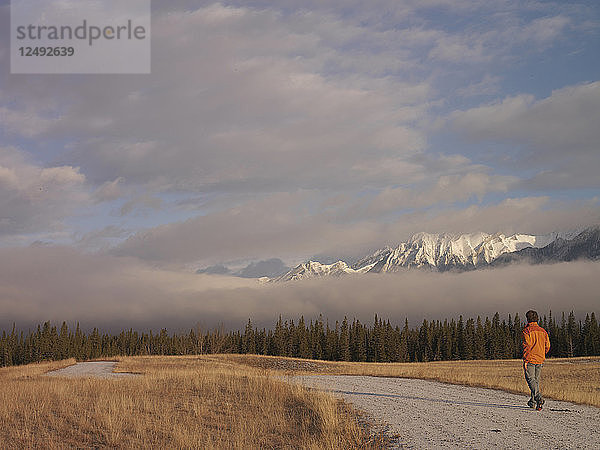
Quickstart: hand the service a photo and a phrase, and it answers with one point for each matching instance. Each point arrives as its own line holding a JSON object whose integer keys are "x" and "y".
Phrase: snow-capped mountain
{"x": 446, "y": 252}
{"x": 585, "y": 245}
{"x": 460, "y": 252}
{"x": 314, "y": 269}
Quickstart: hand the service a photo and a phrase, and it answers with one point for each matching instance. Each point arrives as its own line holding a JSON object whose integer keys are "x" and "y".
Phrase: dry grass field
{"x": 232, "y": 401}
{"x": 571, "y": 379}
{"x": 178, "y": 402}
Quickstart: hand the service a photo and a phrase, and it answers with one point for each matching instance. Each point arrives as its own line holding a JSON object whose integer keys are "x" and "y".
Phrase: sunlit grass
{"x": 177, "y": 402}
{"x": 232, "y": 401}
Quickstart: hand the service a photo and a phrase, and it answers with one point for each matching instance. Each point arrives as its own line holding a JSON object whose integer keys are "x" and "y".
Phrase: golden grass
{"x": 178, "y": 402}
{"x": 232, "y": 401}
{"x": 33, "y": 370}
{"x": 571, "y": 379}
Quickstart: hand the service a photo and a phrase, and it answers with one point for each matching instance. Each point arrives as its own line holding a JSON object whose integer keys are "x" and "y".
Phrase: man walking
{"x": 535, "y": 346}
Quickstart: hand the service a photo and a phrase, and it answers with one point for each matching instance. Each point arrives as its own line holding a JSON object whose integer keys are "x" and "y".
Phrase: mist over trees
{"x": 473, "y": 338}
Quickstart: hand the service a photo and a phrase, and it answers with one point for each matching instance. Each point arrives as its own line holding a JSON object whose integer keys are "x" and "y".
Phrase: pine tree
{"x": 5, "y": 351}
{"x": 517, "y": 337}
{"x": 379, "y": 343}
{"x": 317, "y": 338}
{"x": 63, "y": 342}
{"x": 403, "y": 350}
{"x": 460, "y": 339}
{"x": 331, "y": 342}
{"x": 391, "y": 340}
{"x": 249, "y": 343}
{"x": 94, "y": 345}
{"x": 344, "y": 341}
{"x": 359, "y": 342}
{"x": 469, "y": 340}
{"x": 425, "y": 350}
{"x": 593, "y": 336}
{"x": 303, "y": 342}
{"x": 495, "y": 338}
{"x": 261, "y": 341}
{"x": 78, "y": 344}
{"x": 444, "y": 351}
{"x": 291, "y": 339}
{"x": 572, "y": 335}
{"x": 561, "y": 345}
{"x": 479, "y": 351}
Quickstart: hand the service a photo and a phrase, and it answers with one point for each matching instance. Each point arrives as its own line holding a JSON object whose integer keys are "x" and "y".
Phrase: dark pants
{"x": 532, "y": 376}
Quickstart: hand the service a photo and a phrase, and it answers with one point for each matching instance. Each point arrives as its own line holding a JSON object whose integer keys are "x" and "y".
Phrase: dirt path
{"x": 94, "y": 369}
{"x": 435, "y": 415}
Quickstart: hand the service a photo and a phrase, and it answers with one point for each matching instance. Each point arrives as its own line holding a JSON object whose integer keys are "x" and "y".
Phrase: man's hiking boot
{"x": 531, "y": 403}
{"x": 539, "y": 405}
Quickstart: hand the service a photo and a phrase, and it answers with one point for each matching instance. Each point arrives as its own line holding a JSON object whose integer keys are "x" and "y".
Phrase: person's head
{"x": 532, "y": 316}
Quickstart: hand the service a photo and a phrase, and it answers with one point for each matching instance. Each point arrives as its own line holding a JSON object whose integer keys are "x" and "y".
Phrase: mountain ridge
{"x": 460, "y": 252}
{"x": 585, "y": 245}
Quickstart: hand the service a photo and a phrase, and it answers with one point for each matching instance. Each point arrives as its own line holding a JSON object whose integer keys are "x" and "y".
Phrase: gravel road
{"x": 94, "y": 369}
{"x": 428, "y": 414}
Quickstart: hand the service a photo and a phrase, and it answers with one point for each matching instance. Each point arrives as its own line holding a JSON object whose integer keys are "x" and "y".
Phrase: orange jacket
{"x": 535, "y": 343}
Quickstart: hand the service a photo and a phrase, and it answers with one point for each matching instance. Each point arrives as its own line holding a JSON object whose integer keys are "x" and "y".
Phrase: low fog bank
{"x": 112, "y": 293}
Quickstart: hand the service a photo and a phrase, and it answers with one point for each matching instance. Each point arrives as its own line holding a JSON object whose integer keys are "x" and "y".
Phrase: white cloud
{"x": 64, "y": 175}
{"x": 265, "y": 96}
{"x": 274, "y": 226}
{"x": 563, "y": 121}
{"x": 274, "y": 98}
{"x": 489, "y": 85}
{"x": 459, "y": 49}
{"x": 8, "y": 178}
{"x": 544, "y": 29}
{"x": 560, "y": 133}
{"x": 35, "y": 198}
{"x": 535, "y": 215}
{"x": 109, "y": 190}
{"x": 57, "y": 283}
{"x": 103, "y": 239}
{"x": 265, "y": 100}
{"x": 24, "y": 123}
{"x": 282, "y": 226}
{"x": 141, "y": 201}
{"x": 445, "y": 190}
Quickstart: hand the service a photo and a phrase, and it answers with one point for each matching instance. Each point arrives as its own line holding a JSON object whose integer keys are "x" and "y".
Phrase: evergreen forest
{"x": 380, "y": 341}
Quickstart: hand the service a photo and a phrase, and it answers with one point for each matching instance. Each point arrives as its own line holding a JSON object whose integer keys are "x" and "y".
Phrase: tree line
{"x": 318, "y": 339}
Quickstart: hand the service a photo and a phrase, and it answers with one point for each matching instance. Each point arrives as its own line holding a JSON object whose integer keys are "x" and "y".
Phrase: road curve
{"x": 428, "y": 414}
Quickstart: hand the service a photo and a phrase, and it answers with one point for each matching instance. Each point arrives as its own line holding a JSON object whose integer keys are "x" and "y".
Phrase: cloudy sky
{"x": 295, "y": 128}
